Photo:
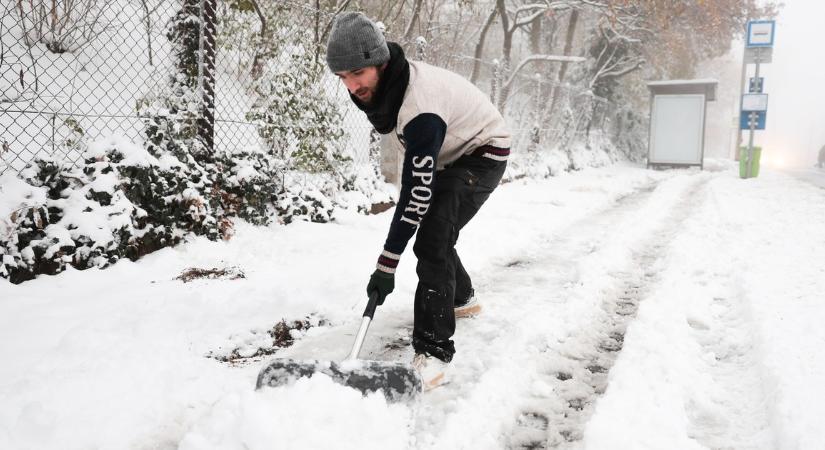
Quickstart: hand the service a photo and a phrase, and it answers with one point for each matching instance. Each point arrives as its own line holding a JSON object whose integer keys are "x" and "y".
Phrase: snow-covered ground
{"x": 624, "y": 308}
{"x": 813, "y": 175}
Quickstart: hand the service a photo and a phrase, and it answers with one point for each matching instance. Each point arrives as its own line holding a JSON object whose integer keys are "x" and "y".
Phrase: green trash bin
{"x": 743, "y": 164}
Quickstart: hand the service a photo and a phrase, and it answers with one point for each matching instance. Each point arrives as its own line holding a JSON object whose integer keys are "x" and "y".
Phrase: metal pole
{"x": 739, "y": 115}
{"x": 752, "y": 118}
{"x": 359, "y": 338}
{"x": 54, "y": 116}
{"x": 369, "y": 312}
{"x": 206, "y": 75}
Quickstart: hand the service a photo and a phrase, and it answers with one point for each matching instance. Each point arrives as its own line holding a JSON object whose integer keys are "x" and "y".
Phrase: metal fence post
{"x": 206, "y": 74}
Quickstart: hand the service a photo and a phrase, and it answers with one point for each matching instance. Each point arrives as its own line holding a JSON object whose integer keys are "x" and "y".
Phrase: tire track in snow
{"x": 577, "y": 368}
{"x": 486, "y": 375}
{"x": 709, "y": 372}
{"x": 546, "y": 305}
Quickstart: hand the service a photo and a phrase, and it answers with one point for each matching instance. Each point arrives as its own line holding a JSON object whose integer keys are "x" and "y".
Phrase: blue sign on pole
{"x": 760, "y": 33}
{"x": 744, "y": 120}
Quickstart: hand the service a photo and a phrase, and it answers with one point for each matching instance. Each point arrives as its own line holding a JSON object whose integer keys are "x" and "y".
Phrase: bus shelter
{"x": 677, "y": 122}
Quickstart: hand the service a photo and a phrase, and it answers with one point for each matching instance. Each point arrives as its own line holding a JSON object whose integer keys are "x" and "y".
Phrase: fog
{"x": 795, "y": 82}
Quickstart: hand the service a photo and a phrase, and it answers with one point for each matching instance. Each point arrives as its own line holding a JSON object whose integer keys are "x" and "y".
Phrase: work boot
{"x": 470, "y": 308}
{"x": 431, "y": 369}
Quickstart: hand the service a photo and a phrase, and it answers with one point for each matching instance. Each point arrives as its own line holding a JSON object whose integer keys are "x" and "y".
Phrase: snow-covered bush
{"x": 300, "y": 127}
{"x": 298, "y": 119}
{"x": 301, "y": 202}
{"x": 247, "y": 184}
{"x": 125, "y": 202}
{"x": 74, "y": 137}
{"x": 170, "y": 112}
{"x": 122, "y": 202}
{"x": 631, "y": 134}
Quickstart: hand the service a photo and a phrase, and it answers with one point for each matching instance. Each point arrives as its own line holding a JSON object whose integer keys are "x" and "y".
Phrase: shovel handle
{"x": 372, "y": 305}
{"x": 365, "y": 325}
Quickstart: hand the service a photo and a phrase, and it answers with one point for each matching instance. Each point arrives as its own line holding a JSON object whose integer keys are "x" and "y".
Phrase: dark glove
{"x": 383, "y": 283}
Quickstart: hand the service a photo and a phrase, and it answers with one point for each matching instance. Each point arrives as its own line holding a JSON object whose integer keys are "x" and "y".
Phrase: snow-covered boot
{"x": 431, "y": 369}
{"x": 470, "y": 308}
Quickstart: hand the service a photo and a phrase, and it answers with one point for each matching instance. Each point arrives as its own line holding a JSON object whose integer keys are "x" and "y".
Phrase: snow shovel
{"x": 398, "y": 381}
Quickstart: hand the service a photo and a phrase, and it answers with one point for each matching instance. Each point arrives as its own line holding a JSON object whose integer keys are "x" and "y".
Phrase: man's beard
{"x": 371, "y": 102}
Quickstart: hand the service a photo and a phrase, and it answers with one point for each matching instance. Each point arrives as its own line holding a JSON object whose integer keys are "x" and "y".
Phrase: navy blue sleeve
{"x": 422, "y": 137}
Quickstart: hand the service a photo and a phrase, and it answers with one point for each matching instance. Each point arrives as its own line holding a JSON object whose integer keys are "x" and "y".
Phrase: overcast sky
{"x": 795, "y": 82}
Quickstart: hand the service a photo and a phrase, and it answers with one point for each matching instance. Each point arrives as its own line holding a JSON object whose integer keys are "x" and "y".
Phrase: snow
{"x": 13, "y": 190}
{"x": 737, "y": 304}
{"x": 245, "y": 171}
{"x": 61, "y": 238}
{"x": 711, "y": 284}
{"x": 682, "y": 82}
{"x": 80, "y": 218}
{"x": 288, "y": 416}
{"x": 133, "y": 154}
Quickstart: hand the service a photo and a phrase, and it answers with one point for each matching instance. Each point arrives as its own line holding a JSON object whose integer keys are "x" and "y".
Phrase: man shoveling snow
{"x": 455, "y": 145}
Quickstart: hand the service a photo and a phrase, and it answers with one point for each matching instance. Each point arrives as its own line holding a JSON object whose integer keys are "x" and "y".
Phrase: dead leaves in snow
{"x": 195, "y": 273}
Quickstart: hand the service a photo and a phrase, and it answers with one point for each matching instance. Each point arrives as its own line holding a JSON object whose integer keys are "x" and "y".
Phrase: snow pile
{"x": 312, "y": 413}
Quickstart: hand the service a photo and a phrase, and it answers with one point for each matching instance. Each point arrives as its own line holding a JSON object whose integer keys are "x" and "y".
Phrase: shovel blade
{"x": 398, "y": 381}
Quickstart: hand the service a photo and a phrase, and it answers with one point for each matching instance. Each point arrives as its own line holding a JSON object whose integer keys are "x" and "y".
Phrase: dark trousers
{"x": 460, "y": 190}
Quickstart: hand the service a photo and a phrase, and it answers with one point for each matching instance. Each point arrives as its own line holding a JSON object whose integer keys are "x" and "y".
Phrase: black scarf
{"x": 383, "y": 110}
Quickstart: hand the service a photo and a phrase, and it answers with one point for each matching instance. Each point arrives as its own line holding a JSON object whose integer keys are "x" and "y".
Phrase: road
{"x": 812, "y": 175}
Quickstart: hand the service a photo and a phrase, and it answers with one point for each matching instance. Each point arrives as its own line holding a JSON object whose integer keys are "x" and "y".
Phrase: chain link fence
{"x": 73, "y": 71}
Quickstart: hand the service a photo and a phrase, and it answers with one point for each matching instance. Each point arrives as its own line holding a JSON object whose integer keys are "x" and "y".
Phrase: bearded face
{"x": 362, "y": 83}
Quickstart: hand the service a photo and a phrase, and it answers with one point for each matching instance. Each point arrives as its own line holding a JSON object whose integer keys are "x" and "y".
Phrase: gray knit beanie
{"x": 355, "y": 42}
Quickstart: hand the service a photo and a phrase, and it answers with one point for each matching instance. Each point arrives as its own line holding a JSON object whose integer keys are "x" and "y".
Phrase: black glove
{"x": 381, "y": 282}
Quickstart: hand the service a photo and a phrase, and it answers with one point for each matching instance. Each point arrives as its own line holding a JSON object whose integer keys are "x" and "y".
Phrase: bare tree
{"x": 64, "y": 26}
{"x": 517, "y": 18}
{"x": 479, "y": 49}
{"x": 147, "y": 22}
{"x": 614, "y": 61}
{"x": 257, "y": 61}
{"x": 572, "y": 22}
{"x": 410, "y": 28}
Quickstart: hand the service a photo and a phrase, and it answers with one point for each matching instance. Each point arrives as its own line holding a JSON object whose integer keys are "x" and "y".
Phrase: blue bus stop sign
{"x": 760, "y": 33}
{"x": 744, "y": 120}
